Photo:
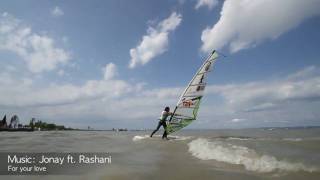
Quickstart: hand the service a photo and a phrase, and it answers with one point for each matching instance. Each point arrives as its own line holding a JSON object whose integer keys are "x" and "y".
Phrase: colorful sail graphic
{"x": 188, "y": 105}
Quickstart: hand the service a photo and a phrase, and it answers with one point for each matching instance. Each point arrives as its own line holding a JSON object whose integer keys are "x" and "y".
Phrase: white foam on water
{"x": 139, "y": 138}
{"x": 249, "y": 158}
{"x": 175, "y": 138}
{"x": 238, "y": 138}
{"x": 179, "y": 138}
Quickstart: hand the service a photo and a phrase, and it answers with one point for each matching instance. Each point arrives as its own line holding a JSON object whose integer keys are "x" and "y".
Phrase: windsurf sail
{"x": 187, "y": 107}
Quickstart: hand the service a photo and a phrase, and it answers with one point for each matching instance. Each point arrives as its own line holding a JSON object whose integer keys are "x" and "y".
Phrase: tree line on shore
{"x": 33, "y": 124}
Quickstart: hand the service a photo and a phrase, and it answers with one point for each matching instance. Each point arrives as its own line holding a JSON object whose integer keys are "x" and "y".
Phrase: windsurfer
{"x": 163, "y": 122}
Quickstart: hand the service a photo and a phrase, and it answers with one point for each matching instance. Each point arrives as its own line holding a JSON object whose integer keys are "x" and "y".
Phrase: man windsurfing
{"x": 163, "y": 122}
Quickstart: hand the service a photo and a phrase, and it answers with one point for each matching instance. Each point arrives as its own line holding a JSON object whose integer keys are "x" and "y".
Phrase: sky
{"x": 117, "y": 64}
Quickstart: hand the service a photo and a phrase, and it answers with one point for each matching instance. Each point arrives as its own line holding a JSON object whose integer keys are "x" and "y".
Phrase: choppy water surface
{"x": 190, "y": 154}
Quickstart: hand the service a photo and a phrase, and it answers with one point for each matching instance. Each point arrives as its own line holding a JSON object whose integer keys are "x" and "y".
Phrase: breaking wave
{"x": 249, "y": 158}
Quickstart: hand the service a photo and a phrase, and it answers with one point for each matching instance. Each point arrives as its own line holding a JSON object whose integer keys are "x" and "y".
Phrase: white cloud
{"x": 163, "y": 92}
{"x": 23, "y": 95}
{"x": 155, "y": 42}
{"x": 94, "y": 99}
{"x": 57, "y": 11}
{"x": 244, "y": 24}
{"x": 303, "y": 85}
{"x": 38, "y": 51}
{"x": 110, "y": 71}
{"x": 209, "y": 3}
{"x": 274, "y": 100}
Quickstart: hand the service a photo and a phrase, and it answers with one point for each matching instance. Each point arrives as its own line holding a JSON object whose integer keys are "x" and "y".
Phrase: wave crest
{"x": 250, "y": 159}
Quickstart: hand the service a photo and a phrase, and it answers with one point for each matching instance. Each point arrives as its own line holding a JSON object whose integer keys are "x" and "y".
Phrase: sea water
{"x": 190, "y": 154}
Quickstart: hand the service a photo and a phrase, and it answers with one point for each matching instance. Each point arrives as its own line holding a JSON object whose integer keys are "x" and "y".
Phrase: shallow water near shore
{"x": 189, "y": 154}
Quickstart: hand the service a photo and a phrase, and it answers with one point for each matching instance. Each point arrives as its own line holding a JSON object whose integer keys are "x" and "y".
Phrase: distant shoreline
{"x": 293, "y": 127}
{"x": 139, "y": 130}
